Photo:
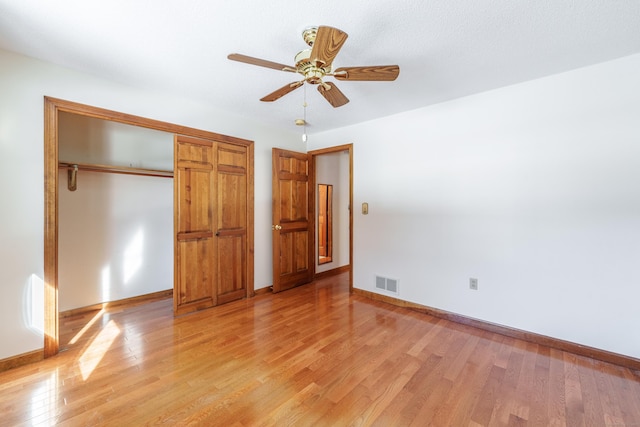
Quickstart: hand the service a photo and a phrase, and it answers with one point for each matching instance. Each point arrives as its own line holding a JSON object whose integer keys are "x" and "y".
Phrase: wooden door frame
{"x": 52, "y": 107}
{"x": 314, "y": 154}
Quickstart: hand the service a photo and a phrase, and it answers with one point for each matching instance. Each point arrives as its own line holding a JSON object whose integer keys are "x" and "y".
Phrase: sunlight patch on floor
{"x": 94, "y": 353}
{"x": 86, "y": 327}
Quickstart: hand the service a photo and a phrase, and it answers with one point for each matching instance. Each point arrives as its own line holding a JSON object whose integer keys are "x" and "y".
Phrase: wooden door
{"x": 293, "y": 219}
{"x": 232, "y": 164}
{"x": 194, "y": 286}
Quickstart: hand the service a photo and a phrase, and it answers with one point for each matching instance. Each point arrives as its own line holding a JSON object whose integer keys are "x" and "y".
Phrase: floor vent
{"x": 387, "y": 284}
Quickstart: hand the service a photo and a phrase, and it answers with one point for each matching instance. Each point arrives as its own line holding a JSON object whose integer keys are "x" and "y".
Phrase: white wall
{"x": 115, "y": 238}
{"x": 333, "y": 169}
{"x": 533, "y": 189}
{"x": 23, "y": 84}
{"x": 85, "y": 139}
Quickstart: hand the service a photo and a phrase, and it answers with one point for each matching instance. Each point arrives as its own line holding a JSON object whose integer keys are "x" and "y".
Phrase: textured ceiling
{"x": 445, "y": 48}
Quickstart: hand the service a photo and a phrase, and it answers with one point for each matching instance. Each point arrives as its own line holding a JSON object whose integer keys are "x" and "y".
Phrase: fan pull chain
{"x": 304, "y": 115}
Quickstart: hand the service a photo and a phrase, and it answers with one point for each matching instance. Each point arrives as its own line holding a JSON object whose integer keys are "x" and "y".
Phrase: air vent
{"x": 387, "y": 284}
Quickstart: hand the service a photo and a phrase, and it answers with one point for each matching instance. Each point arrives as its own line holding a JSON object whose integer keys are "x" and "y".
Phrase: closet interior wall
{"x": 115, "y": 229}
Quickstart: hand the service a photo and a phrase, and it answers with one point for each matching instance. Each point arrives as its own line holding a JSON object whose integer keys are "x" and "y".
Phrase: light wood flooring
{"x": 313, "y": 355}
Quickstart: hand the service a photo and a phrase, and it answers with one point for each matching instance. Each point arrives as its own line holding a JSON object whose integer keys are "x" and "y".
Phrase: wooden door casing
{"x": 52, "y": 107}
{"x": 293, "y": 219}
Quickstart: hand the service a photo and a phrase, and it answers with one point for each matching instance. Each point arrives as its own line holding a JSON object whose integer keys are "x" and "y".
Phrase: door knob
{"x": 276, "y": 227}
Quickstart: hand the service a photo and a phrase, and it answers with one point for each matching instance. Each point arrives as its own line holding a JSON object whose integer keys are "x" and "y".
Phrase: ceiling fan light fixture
{"x": 312, "y": 73}
{"x": 309, "y": 35}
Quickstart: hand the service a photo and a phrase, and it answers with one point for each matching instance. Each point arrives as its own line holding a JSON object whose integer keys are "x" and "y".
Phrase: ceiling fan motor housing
{"x": 311, "y": 72}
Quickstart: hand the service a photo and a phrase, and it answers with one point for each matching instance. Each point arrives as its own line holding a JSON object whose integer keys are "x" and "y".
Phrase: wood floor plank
{"x": 556, "y": 415}
{"x": 573, "y": 391}
{"x": 505, "y": 401}
{"x": 313, "y": 355}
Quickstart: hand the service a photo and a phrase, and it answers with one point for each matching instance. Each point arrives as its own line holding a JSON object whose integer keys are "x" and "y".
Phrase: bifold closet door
{"x": 195, "y": 244}
{"x": 232, "y": 164}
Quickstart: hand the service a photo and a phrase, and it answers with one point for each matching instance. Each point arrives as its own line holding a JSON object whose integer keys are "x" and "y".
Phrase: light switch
{"x": 365, "y": 208}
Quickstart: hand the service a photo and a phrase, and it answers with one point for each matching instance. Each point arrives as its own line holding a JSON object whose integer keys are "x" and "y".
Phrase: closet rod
{"x": 116, "y": 169}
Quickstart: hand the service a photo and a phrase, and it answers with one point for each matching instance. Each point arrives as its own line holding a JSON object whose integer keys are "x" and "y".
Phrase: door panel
{"x": 231, "y": 228}
{"x": 293, "y": 223}
{"x": 194, "y": 286}
{"x": 230, "y": 269}
{"x": 195, "y": 198}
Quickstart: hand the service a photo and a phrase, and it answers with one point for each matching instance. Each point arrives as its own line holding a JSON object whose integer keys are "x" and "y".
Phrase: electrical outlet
{"x": 473, "y": 284}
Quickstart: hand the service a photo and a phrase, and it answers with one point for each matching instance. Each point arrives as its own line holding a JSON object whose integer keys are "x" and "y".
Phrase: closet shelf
{"x": 115, "y": 169}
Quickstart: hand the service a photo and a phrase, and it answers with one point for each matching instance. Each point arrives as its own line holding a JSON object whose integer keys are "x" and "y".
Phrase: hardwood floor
{"x": 313, "y": 355}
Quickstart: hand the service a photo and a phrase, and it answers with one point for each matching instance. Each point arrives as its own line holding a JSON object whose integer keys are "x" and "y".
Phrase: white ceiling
{"x": 445, "y": 48}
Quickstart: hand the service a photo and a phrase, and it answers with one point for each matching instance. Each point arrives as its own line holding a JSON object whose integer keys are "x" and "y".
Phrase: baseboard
{"x": 140, "y": 299}
{"x": 21, "y": 360}
{"x": 263, "y": 291}
{"x": 332, "y": 272}
{"x": 568, "y": 346}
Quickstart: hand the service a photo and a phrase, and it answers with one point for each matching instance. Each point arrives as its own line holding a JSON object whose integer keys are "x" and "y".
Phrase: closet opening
{"x": 115, "y": 217}
{"x": 130, "y": 235}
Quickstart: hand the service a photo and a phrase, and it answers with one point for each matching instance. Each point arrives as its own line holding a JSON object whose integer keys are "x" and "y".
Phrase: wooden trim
{"x": 52, "y": 106}
{"x": 568, "y": 346}
{"x": 21, "y": 360}
{"x": 350, "y": 218}
{"x": 51, "y": 343}
{"x": 329, "y": 150}
{"x": 332, "y": 272}
{"x": 139, "y": 299}
{"x": 129, "y": 119}
{"x": 250, "y": 221}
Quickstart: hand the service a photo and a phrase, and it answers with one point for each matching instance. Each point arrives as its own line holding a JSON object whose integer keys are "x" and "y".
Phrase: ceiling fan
{"x": 315, "y": 64}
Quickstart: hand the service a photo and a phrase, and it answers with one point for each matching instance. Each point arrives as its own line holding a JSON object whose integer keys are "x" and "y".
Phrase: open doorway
{"x": 333, "y": 181}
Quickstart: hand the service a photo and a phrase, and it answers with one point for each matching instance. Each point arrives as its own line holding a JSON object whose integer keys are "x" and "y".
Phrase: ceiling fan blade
{"x": 372, "y": 73}
{"x": 326, "y": 46}
{"x": 260, "y": 62}
{"x": 332, "y": 94}
{"x": 282, "y": 91}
